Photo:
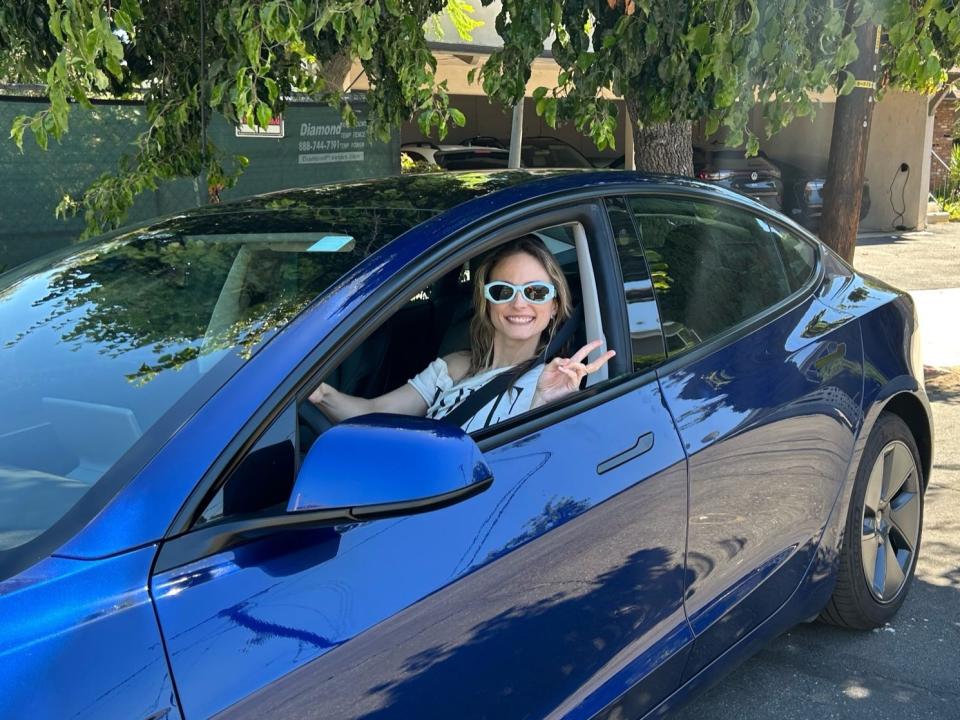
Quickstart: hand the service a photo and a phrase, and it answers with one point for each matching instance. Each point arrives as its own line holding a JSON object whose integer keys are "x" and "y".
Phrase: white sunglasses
{"x": 537, "y": 292}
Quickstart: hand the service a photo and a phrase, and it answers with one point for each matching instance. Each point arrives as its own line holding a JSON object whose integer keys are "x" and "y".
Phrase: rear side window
{"x": 714, "y": 267}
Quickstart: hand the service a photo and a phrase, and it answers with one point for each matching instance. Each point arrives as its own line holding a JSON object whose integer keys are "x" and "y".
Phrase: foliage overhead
{"x": 709, "y": 60}
{"x": 241, "y": 58}
{"x": 673, "y": 60}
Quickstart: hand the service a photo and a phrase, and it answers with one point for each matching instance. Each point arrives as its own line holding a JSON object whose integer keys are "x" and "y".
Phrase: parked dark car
{"x": 184, "y": 534}
{"x": 804, "y": 189}
{"x": 755, "y": 177}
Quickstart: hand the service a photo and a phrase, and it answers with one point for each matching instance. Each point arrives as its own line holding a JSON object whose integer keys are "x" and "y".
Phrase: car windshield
{"x": 98, "y": 344}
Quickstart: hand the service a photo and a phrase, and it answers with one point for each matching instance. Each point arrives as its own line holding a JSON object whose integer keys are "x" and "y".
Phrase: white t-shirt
{"x": 442, "y": 395}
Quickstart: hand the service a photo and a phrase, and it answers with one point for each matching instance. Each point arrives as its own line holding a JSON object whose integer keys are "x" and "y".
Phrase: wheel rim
{"x": 891, "y": 521}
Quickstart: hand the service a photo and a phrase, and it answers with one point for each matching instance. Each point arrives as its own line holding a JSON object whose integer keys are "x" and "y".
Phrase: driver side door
{"x": 557, "y": 592}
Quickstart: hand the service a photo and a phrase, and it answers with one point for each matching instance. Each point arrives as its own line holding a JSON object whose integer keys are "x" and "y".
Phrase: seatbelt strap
{"x": 499, "y": 384}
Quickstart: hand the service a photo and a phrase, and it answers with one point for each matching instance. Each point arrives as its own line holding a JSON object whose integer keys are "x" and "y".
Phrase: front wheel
{"x": 882, "y": 539}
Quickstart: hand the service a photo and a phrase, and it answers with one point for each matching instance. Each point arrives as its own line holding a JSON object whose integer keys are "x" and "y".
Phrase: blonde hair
{"x": 481, "y": 328}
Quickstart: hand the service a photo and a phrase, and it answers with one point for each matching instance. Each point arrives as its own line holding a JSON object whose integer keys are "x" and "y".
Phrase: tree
{"x": 921, "y": 44}
{"x": 241, "y": 58}
{"x": 673, "y": 62}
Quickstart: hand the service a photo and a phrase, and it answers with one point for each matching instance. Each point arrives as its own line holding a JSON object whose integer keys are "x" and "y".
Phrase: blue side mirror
{"x": 389, "y": 465}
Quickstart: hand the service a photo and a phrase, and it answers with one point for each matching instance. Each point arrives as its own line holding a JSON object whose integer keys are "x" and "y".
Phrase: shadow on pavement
{"x": 817, "y": 671}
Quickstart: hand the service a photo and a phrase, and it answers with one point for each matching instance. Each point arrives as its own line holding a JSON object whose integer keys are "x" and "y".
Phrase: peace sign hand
{"x": 562, "y": 376}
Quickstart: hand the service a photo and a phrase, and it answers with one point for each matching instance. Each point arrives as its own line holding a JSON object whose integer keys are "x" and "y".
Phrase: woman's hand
{"x": 562, "y": 376}
{"x": 318, "y": 395}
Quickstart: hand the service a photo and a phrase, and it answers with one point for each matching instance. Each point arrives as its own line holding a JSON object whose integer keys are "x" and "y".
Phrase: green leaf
{"x": 848, "y": 83}
{"x": 264, "y": 114}
{"x": 770, "y": 50}
{"x": 712, "y": 125}
{"x": 458, "y": 117}
{"x": 753, "y": 21}
{"x": 550, "y": 112}
{"x": 699, "y": 37}
{"x": 273, "y": 92}
{"x": 650, "y": 34}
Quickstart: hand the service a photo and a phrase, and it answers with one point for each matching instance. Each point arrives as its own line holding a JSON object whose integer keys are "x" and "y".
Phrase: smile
{"x": 519, "y": 319}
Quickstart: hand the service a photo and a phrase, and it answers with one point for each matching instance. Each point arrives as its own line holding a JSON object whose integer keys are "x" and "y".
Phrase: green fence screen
{"x": 315, "y": 147}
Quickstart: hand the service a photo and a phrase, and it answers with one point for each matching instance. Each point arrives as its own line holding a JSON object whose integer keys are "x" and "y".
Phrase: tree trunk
{"x": 663, "y": 147}
{"x": 843, "y": 189}
{"x": 334, "y": 70}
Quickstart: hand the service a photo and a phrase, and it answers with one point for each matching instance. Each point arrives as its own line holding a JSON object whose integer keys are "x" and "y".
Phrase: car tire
{"x": 881, "y": 541}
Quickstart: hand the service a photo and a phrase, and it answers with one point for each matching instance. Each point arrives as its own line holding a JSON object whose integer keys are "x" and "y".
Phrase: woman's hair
{"x": 481, "y": 329}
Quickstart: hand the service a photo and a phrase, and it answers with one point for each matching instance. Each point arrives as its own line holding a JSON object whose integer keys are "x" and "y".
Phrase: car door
{"x": 764, "y": 383}
{"x": 557, "y": 592}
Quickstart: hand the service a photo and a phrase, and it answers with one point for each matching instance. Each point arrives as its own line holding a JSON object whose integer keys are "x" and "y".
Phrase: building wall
{"x": 943, "y": 121}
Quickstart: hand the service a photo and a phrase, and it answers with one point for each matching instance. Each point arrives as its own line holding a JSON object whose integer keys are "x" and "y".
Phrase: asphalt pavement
{"x": 910, "y": 668}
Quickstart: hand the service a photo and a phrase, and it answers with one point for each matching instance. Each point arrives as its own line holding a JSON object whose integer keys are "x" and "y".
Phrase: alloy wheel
{"x": 891, "y": 521}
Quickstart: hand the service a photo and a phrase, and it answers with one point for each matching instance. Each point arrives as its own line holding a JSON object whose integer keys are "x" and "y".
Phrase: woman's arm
{"x": 339, "y": 406}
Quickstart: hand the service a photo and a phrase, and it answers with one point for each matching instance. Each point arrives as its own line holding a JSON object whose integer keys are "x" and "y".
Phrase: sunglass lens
{"x": 537, "y": 293}
{"x": 501, "y": 292}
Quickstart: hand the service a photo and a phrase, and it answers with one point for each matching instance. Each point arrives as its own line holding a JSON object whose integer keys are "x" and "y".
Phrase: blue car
{"x": 185, "y": 533}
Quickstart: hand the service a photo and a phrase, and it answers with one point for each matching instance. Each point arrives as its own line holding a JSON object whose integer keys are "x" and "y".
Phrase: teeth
{"x": 519, "y": 319}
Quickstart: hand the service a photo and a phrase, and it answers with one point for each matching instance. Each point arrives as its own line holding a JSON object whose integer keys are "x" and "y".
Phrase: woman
{"x": 520, "y": 298}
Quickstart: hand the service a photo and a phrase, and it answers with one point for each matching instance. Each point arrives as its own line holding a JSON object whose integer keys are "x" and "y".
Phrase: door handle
{"x": 643, "y": 444}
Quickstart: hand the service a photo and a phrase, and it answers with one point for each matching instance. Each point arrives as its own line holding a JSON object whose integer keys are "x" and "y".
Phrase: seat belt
{"x": 498, "y": 385}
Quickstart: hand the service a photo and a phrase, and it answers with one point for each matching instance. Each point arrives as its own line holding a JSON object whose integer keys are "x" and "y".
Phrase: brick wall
{"x": 942, "y": 140}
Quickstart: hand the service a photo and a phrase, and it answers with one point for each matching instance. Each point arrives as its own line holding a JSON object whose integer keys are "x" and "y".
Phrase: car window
{"x": 646, "y": 338}
{"x": 799, "y": 257}
{"x": 264, "y": 478}
{"x": 714, "y": 266}
{"x": 436, "y": 323}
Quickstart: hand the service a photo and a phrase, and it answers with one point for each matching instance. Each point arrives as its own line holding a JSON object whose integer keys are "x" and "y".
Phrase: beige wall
{"x": 898, "y": 135}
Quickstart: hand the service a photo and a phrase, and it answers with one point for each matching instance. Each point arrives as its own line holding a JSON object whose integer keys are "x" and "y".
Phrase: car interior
{"x": 436, "y": 322}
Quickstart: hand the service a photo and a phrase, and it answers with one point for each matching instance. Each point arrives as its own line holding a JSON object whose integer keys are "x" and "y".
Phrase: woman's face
{"x": 520, "y": 320}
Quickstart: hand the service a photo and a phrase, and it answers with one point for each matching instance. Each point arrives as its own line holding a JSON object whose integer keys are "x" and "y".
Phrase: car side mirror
{"x": 382, "y": 465}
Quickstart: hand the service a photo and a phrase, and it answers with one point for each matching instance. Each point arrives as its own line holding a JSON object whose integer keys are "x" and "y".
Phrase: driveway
{"x": 911, "y": 668}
